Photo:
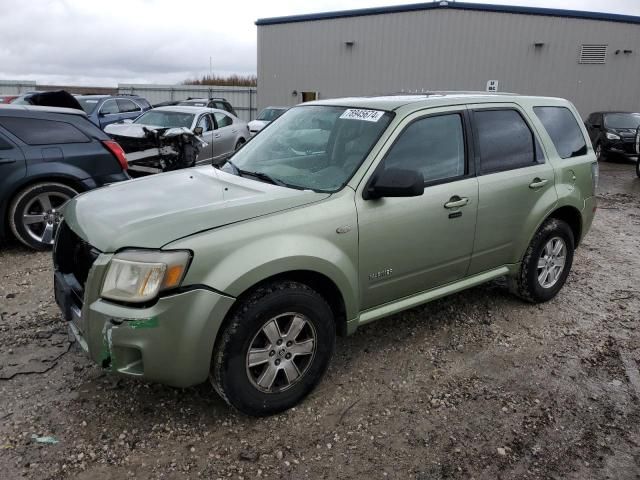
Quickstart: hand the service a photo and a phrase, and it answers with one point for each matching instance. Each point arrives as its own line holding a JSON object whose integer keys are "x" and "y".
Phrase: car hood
{"x": 137, "y": 130}
{"x": 152, "y": 211}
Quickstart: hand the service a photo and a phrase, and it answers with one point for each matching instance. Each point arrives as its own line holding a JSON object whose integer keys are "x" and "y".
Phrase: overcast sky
{"x": 98, "y": 42}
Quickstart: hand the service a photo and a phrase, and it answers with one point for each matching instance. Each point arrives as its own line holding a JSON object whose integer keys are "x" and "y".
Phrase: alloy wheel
{"x": 42, "y": 216}
{"x": 551, "y": 262}
{"x": 281, "y": 352}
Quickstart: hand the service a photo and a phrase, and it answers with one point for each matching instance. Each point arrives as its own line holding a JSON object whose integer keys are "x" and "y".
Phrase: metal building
{"x": 593, "y": 59}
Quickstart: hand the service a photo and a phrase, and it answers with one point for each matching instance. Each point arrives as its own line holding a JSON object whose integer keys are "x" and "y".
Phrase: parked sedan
{"x": 613, "y": 133}
{"x": 104, "y": 110}
{"x": 47, "y": 156}
{"x": 264, "y": 118}
{"x": 224, "y": 133}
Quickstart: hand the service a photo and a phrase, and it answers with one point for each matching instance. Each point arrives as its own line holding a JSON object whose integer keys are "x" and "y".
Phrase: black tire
{"x": 240, "y": 143}
{"x": 527, "y": 284}
{"x": 638, "y": 167}
{"x": 25, "y": 202}
{"x": 230, "y": 374}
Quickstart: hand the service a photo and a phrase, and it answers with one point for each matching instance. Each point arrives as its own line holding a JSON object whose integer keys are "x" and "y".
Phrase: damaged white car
{"x": 170, "y": 138}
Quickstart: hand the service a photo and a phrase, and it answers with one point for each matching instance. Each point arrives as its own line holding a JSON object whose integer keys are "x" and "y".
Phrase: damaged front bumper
{"x": 169, "y": 342}
{"x": 152, "y": 150}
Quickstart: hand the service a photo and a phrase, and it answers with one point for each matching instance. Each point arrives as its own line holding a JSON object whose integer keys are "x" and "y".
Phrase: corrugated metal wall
{"x": 16, "y": 87}
{"x": 243, "y": 99}
{"x": 449, "y": 50}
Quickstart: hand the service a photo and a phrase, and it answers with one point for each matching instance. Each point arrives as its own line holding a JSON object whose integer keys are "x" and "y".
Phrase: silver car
{"x": 223, "y": 132}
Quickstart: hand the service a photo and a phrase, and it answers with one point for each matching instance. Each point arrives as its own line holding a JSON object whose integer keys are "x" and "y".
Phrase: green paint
{"x": 144, "y": 323}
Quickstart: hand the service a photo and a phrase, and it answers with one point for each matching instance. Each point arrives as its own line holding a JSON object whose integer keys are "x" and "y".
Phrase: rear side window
{"x": 109, "y": 107}
{"x": 433, "y": 146}
{"x": 143, "y": 103}
{"x": 34, "y": 131}
{"x": 504, "y": 140}
{"x": 563, "y": 129}
{"x": 223, "y": 120}
{"x": 127, "y": 106}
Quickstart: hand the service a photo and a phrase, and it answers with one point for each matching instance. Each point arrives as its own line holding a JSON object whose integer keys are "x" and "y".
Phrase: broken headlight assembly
{"x": 138, "y": 276}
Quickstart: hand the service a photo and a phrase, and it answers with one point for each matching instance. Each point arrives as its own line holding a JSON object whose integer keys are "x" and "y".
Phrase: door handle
{"x": 538, "y": 182}
{"x": 217, "y": 135}
{"x": 456, "y": 202}
{"x": 7, "y": 160}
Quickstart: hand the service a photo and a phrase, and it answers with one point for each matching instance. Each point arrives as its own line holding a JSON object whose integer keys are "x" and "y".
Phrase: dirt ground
{"x": 477, "y": 385}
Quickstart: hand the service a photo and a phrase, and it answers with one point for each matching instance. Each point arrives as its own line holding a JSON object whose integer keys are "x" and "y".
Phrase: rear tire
{"x": 258, "y": 369}
{"x": 239, "y": 144}
{"x": 638, "y": 166}
{"x": 544, "y": 270}
{"x": 34, "y": 213}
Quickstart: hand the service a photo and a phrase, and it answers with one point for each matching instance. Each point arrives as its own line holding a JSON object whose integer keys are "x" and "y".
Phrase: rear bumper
{"x": 588, "y": 213}
{"x": 170, "y": 342}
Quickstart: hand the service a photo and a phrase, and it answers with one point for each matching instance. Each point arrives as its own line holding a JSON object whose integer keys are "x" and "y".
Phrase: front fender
{"x": 233, "y": 259}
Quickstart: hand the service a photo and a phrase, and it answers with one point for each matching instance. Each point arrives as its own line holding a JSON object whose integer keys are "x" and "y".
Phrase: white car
{"x": 265, "y": 117}
{"x": 223, "y": 132}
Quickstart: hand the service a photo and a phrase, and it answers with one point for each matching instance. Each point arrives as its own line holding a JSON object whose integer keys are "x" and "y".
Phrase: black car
{"x": 613, "y": 132}
{"x": 48, "y": 155}
{"x": 219, "y": 103}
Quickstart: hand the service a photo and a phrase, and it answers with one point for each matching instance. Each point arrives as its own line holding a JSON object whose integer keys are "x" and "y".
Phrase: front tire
{"x": 274, "y": 350}
{"x": 34, "y": 213}
{"x": 600, "y": 155}
{"x": 638, "y": 166}
{"x": 546, "y": 263}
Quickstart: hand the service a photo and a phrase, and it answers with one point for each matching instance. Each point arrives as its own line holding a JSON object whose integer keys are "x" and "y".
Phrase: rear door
{"x": 12, "y": 167}
{"x": 516, "y": 184}
{"x": 224, "y": 136}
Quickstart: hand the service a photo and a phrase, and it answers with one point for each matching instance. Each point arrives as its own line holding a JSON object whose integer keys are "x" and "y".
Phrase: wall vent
{"x": 593, "y": 54}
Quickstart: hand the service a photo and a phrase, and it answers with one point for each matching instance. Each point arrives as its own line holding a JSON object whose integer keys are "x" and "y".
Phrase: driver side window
{"x": 205, "y": 123}
{"x": 433, "y": 146}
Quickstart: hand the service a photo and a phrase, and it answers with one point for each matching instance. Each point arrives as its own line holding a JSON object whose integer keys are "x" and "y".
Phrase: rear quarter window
{"x": 35, "y": 131}
{"x": 505, "y": 141}
{"x": 562, "y": 127}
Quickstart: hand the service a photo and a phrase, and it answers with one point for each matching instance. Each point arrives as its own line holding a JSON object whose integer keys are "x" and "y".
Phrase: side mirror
{"x": 198, "y": 131}
{"x": 595, "y": 125}
{"x": 395, "y": 182}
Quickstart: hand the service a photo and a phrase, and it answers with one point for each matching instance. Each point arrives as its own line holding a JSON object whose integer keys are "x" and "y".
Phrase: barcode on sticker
{"x": 359, "y": 114}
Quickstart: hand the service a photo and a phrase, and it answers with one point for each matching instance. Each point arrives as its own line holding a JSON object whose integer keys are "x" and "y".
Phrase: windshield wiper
{"x": 260, "y": 175}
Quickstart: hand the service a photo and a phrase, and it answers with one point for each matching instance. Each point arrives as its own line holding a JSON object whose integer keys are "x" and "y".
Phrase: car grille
{"x": 74, "y": 258}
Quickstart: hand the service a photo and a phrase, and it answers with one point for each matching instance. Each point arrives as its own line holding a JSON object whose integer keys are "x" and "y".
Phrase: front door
{"x": 516, "y": 185}
{"x": 207, "y": 152}
{"x": 409, "y": 245}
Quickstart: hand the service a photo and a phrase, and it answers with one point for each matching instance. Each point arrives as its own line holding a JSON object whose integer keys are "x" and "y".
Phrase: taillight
{"x": 117, "y": 152}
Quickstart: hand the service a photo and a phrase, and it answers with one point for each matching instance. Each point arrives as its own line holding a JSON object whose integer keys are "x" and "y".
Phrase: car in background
{"x": 7, "y": 98}
{"x": 104, "y": 110}
{"x": 613, "y": 133}
{"x": 264, "y": 118}
{"x": 47, "y": 156}
{"x": 217, "y": 102}
{"x": 223, "y": 132}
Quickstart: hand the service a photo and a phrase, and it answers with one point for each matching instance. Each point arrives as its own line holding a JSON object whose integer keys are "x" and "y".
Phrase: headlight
{"x": 140, "y": 275}
{"x": 612, "y": 136}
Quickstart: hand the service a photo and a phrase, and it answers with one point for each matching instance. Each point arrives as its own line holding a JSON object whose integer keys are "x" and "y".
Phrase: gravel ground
{"x": 477, "y": 385}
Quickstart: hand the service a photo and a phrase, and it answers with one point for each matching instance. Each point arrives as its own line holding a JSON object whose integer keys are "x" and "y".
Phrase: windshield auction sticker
{"x": 359, "y": 114}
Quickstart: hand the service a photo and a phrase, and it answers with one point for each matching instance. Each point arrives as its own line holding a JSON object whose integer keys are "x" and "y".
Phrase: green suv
{"x": 339, "y": 213}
